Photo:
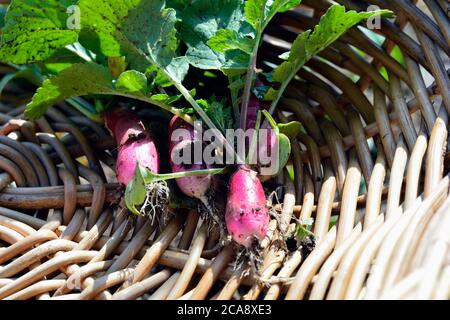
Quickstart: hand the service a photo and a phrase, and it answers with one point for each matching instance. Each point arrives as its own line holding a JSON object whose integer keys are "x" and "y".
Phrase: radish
{"x": 193, "y": 186}
{"x": 142, "y": 151}
{"x": 254, "y": 105}
{"x": 124, "y": 125}
{"x": 136, "y": 150}
{"x": 135, "y": 144}
{"x": 270, "y": 147}
{"x": 246, "y": 213}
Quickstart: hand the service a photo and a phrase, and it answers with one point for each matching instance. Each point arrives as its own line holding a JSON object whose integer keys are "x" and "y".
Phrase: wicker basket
{"x": 374, "y": 156}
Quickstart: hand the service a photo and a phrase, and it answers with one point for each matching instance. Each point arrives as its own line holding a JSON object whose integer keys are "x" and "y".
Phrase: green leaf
{"x": 117, "y": 65}
{"x": 282, "y": 6}
{"x": 78, "y": 80}
{"x": 333, "y": 221}
{"x": 200, "y": 21}
{"x": 271, "y": 94}
{"x": 236, "y": 85}
{"x": 60, "y": 60}
{"x": 255, "y": 12}
{"x": 226, "y": 39}
{"x": 87, "y": 79}
{"x": 284, "y": 145}
{"x": 158, "y": 78}
{"x": 284, "y": 56}
{"x": 236, "y": 63}
{"x": 35, "y": 29}
{"x": 178, "y": 68}
{"x": 132, "y": 81}
{"x": 162, "y": 97}
{"x": 260, "y": 12}
{"x": 219, "y": 113}
{"x": 284, "y": 151}
{"x": 136, "y": 192}
{"x": 142, "y": 30}
{"x": 332, "y": 25}
{"x": 291, "y": 129}
{"x": 2, "y": 15}
{"x": 297, "y": 57}
{"x": 283, "y": 133}
{"x": 238, "y": 44}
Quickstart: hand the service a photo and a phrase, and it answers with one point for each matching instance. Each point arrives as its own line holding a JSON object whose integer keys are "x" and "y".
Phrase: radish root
{"x": 156, "y": 201}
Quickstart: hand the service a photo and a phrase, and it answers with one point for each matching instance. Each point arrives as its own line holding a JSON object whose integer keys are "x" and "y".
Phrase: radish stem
{"x": 252, "y": 148}
{"x": 249, "y": 83}
{"x": 189, "y": 98}
{"x": 161, "y": 105}
{"x": 150, "y": 177}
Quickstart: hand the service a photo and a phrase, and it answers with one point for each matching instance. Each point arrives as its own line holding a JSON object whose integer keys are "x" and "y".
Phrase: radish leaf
{"x": 2, "y": 15}
{"x": 303, "y": 229}
{"x": 96, "y": 80}
{"x": 332, "y": 25}
{"x": 260, "y": 12}
{"x": 132, "y": 81}
{"x": 284, "y": 144}
{"x": 116, "y": 28}
{"x": 136, "y": 192}
{"x": 199, "y": 23}
{"x": 226, "y": 39}
{"x": 290, "y": 129}
{"x": 218, "y": 112}
{"x": 117, "y": 65}
{"x": 162, "y": 97}
{"x": 284, "y": 151}
{"x": 35, "y": 29}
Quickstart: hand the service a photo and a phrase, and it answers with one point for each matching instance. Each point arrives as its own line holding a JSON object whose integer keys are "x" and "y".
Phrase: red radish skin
{"x": 196, "y": 186}
{"x": 143, "y": 151}
{"x": 124, "y": 125}
{"x": 269, "y": 148}
{"x": 135, "y": 144}
{"x": 178, "y": 123}
{"x": 254, "y": 105}
{"x": 246, "y": 214}
{"x": 128, "y": 129}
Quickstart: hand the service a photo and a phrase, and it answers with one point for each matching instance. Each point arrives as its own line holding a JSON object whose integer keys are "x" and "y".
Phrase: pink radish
{"x": 192, "y": 186}
{"x": 254, "y": 105}
{"x": 143, "y": 151}
{"x": 246, "y": 214}
{"x": 135, "y": 144}
{"x": 124, "y": 125}
{"x": 269, "y": 148}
